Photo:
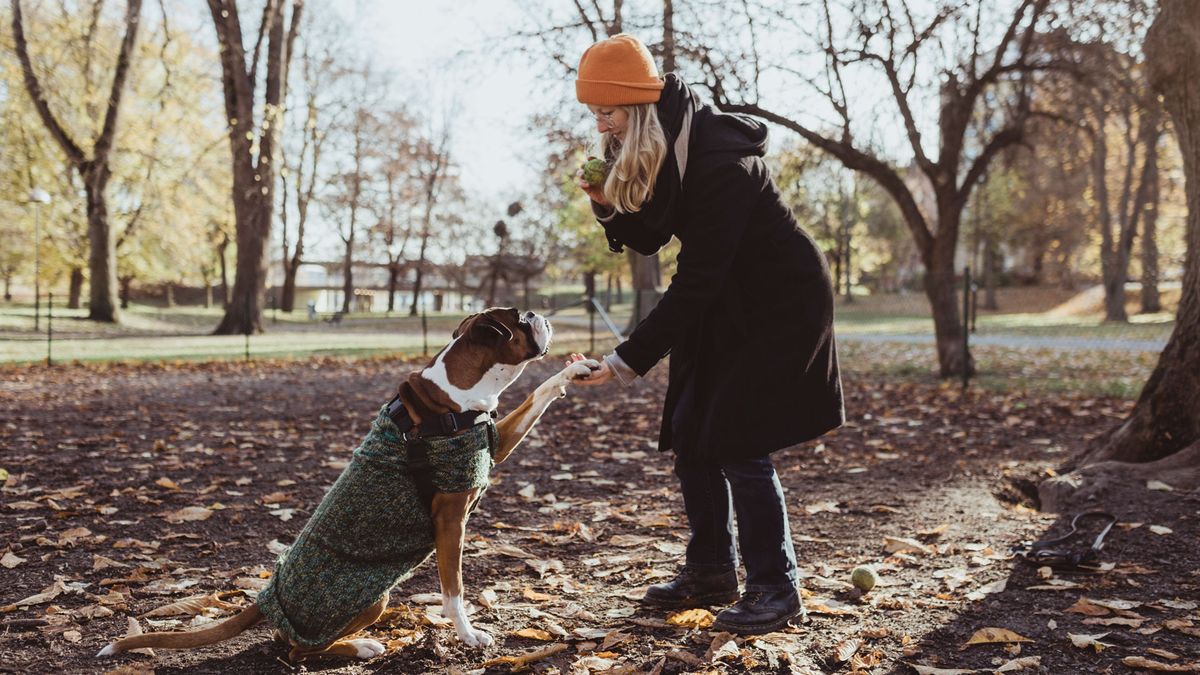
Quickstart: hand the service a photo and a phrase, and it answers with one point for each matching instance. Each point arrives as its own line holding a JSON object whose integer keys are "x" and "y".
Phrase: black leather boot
{"x": 693, "y": 588}
{"x": 760, "y": 612}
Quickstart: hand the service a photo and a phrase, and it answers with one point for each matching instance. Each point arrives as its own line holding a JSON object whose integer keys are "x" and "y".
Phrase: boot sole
{"x": 758, "y": 628}
{"x": 695, "y": 601}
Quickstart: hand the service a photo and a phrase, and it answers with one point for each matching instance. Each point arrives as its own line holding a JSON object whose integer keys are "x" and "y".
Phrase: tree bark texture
{"x": 93, "y": 170}
{"x": 1166, "y": 418}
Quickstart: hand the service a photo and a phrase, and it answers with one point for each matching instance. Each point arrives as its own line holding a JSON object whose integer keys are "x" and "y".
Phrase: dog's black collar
{"x": 442, "y": 425}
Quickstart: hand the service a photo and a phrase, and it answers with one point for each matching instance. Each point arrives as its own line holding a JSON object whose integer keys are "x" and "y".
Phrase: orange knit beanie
{"x": 617, "y": 71}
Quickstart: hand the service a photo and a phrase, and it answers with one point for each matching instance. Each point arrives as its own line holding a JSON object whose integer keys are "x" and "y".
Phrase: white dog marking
{"x": 484, "y": 394}
{"x": 367, "y": 648}
{"x": 452, "y": 608}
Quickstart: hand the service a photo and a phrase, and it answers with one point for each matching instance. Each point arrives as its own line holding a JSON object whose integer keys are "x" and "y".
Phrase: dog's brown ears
{"x": 486, "y": 327}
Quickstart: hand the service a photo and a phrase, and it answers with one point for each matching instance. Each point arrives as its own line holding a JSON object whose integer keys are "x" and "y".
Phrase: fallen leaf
{"x": 100, "y": 562}
{"x": 692, "y": 618}
{"x": 167, "y": 483}
{"x": 188, "y": 514}
{"x": 1159, "y": 529}
{"x": 1159, "y": 666}
{"x": 822, "y": 507}
{"x": 522, "y": 661}
{"x": 930, "y": 670}
{"x": 488, "y": 598}
{"x": 533, "y": 634}
{"x": 846, "y": 649}
{"x": 49, "y": 593}
{"x": 992, "y": 635}
{"x": 1158, "y": 485}
{"x": 1084, "y": 641}
{"x": 1087, "y": 607}
{"x": 1020, "y": 664}
{"x": 10, "y": 561}
{"x": 903, "y": 545}
{"x": 193, "y": 606}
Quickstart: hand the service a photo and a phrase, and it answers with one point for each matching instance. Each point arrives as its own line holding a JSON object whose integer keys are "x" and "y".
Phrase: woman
{"x": 747, "y": 320}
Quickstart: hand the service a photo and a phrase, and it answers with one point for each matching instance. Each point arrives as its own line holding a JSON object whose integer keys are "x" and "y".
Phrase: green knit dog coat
{"x": 369, "y": 532}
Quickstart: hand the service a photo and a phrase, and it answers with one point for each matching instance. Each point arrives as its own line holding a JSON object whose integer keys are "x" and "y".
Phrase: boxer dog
{"x": 488, "y": 352}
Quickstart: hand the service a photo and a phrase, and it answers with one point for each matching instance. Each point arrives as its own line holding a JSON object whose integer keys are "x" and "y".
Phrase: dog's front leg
{"x": 450, "y": 512}
{"x": 513, "y": 427}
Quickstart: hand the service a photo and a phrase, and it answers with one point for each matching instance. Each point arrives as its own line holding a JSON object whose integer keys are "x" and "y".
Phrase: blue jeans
{"x": 712, "y": 493}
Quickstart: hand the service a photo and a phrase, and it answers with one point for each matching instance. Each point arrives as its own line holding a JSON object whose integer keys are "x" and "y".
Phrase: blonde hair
{"x": 636, "y": 160}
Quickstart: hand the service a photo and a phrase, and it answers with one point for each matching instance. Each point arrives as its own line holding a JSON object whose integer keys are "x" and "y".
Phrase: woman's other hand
{"x": 594, "y": 192}
{"x": 599, "y": 375}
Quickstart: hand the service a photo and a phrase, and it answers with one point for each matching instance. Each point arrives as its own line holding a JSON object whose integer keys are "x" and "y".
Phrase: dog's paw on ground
{"x": 368, "y": 648}
{"x": 472, "y": 637}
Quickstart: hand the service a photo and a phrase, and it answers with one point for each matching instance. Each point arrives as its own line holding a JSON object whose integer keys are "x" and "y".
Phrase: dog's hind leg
{"x": 450, "y": 511}
{"x": 357, "y": 648}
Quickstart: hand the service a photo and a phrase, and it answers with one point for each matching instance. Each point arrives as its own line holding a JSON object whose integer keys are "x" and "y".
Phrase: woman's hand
{"x": 595, "y": 192}
{"x": 598, "y": 376}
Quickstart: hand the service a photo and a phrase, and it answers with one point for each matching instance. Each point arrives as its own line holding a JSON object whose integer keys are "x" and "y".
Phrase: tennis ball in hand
{"x": 864, "y": 578}
{"x": 594, "y": 171}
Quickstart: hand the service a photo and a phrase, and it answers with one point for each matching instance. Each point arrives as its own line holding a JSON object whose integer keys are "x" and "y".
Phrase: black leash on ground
{"x": 1053, "y": 553}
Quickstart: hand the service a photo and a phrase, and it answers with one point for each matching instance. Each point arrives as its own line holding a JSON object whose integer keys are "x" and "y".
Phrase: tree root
{"x": 1090, "y": 484}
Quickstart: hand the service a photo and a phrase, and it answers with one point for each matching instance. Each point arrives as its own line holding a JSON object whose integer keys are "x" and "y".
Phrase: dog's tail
{"x": 186, "y": 639}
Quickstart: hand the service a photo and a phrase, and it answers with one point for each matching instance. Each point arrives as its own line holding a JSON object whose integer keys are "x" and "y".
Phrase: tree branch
{"x": 105, "y": 141}
{"x": 856, "y": 160}
{"x": 34, "y": 88}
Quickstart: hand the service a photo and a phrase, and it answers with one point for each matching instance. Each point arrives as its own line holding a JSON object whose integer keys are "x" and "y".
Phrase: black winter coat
{"x": 748, "y": 316}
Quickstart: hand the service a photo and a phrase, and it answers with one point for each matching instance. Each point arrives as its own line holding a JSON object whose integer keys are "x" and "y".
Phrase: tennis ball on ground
{"x": 864, "y": 578}
{"x": 594, "y": 171}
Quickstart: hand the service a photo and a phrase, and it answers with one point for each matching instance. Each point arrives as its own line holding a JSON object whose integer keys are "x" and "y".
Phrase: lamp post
{"x": 37, "y": 197}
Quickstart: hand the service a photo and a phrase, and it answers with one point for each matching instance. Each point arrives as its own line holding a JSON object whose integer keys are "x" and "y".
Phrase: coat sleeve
{"x": 628, "y": 229}
{"x": 720, "y": 205}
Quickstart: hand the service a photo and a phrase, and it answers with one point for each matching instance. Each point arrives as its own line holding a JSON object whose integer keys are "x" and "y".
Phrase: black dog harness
{"x": 446, "y": 424}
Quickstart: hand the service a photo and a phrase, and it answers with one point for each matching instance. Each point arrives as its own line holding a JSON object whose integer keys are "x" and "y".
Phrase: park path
{"x": 1062, "y": 343}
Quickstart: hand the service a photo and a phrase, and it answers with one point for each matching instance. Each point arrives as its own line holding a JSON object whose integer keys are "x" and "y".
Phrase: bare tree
{"x": 889, "y": 40}
{"x": 253, "y": 145}
{"x": 351, "y": 186}
{"x": 395, "y": 206}
{"x": 1161, "y": 435}
{"x": 94, "y": 169}
{"x": 432, "y": 161}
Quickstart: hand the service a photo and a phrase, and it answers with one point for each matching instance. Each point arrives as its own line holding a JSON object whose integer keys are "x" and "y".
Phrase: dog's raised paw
{"x": 107, "y": 651}
{"x": 368, "y": 648}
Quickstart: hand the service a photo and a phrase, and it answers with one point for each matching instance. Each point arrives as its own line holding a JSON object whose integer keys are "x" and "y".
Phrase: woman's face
{"x": 611, "y": 118}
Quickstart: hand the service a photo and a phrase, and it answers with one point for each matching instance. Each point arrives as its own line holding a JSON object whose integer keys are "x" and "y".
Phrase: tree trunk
{"x": 1151, "y": 301}
{"x": 94, "y": 170}
{"x": 348, "y": 273}
{"x": 8, "y": 287}
{"x": 243, "y": 313}
{"x": 646, "y": 275}
{"x": 126, "y": 287}
{"x": 253, "y": 148}
{"x": 102, "y": 257}
{"x": 287, "y": 299}
{"x": 224, "y": 270}
{"x": 941, "y": 288}
{"x": 393, "y": 282}
{"x": 75, "y": 290}
{"x": 169, "y": 293}
{"x": 1166, "y": 418}
{"x": 991, "y": 258}
{"x": 208, "y": 294}
{"x": 412, "y": 310}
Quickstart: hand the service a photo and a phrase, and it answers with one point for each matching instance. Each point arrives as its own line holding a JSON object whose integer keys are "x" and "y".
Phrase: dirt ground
{"x": 133, "y": 487}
